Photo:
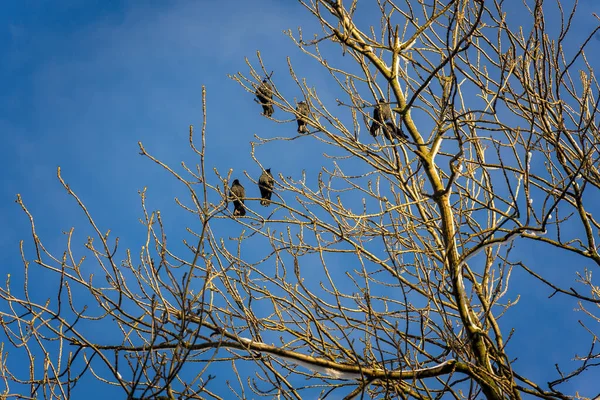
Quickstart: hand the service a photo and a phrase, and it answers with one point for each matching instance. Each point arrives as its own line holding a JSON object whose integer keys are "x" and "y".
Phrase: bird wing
{"x": 238, "y": 192}
{"x": 387, "y": 112}
{"x": 265, "y": 89}
{"x": 377, "y": 114}
{"x": 266, "y": 180}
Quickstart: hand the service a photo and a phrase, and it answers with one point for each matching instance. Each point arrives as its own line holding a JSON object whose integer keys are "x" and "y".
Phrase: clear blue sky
{"x": 82, "y": 82}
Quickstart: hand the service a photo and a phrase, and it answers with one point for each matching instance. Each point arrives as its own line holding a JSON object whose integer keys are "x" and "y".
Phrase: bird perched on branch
{"x": 237, "y": 194}
{"x": 302, "y": 111}
{"x": 381, "y": 114}
{"x": 264, "y": 94}
{"x": 265, "y": 184}
{"x": 392, "y": 131}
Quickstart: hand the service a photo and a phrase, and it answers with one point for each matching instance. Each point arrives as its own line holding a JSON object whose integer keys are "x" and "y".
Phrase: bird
{"x": 264, "y": 94}
{"x": 265, "y": 184}
{"x": 381, "y": 113}
{"x": 302, "y": 110}
{"x": 392, "y": 131}
{"x": 237, "y": 194}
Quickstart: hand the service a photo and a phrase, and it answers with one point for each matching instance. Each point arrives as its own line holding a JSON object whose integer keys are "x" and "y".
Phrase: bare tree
{"x": 388, "y": 275}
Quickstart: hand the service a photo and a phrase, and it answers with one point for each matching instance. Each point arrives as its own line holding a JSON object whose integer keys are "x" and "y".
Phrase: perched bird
{"x": 264, "y": 94}
{"x": 302, "y": 110}
{"x": 392, "y": 131}
{"x": 381, "y": 113}
{"x": 237, "y": 194}
{"x": 265, "y": 184}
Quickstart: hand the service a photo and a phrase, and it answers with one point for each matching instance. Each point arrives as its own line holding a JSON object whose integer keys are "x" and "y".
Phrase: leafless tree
{"x": 388, "y": 283}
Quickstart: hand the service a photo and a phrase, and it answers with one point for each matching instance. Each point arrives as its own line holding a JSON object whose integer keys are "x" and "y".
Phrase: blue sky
{"x": 82, "y": 82}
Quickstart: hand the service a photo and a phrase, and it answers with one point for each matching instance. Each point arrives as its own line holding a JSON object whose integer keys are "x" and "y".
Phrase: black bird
{"x": 237, "y": 194}
{"x": 302, "y": 110}
{"x": 381, "y": 113}
{"x": 392, "y": 131}
{"x": 265, "y": 184}
{"x": 264, "y": 94}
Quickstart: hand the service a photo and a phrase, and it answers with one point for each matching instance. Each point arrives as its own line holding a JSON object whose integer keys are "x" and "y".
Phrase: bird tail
{"x": 373, "y": 129}
{"x": 303, "y": 129}
{"x": 391, "y": 131}
{"x": 397, "y": 131}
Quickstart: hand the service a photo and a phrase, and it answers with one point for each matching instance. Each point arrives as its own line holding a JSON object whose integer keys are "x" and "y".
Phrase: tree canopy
{"x": 387, "y": 274}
